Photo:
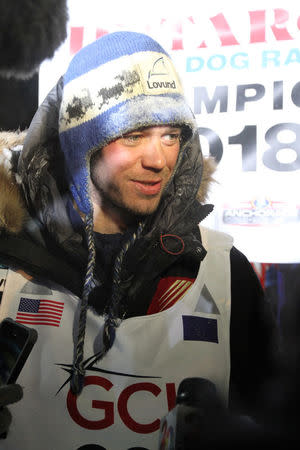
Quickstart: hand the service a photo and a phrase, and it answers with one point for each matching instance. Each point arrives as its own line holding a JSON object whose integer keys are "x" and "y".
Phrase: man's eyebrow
{"x": 172, "y": 127}
{"x": 175, "y": 128}
{"x": 140, "y": 130}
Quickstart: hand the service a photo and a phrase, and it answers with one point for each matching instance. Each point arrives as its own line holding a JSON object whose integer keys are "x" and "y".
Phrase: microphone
{"x": 198, "y": 415}
{"x": 200, "y": 418}
{"x": 30, "y": 32}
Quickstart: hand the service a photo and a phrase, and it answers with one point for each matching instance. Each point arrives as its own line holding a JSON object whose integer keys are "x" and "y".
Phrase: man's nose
{"x": 153, "y": 154}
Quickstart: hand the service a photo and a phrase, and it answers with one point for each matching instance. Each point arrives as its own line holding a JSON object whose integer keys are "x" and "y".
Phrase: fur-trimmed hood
{"x": 12, "y": 205}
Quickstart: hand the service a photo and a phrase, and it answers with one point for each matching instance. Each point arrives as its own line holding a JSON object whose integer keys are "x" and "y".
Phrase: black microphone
{"x": 30, "y": 32}
{"x": 199, "y": 413}
{"x": 201, "y": 419}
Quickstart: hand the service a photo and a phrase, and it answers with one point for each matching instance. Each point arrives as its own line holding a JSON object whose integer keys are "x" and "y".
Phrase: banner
{"x": 239, "y": 64}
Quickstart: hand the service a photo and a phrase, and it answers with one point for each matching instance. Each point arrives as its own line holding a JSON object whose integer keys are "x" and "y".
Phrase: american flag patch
{"x": 169, "y": 291}
{"x": 39, "y": 312}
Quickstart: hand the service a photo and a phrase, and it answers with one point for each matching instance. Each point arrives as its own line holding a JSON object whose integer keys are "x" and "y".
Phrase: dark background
{"x": 19, "y": 101}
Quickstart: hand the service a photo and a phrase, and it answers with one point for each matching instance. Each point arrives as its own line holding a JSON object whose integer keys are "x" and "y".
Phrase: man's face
{"x": 131, "y": 172}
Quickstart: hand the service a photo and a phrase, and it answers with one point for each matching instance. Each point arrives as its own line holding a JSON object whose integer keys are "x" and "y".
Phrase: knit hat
{"x": 119, "y": 83}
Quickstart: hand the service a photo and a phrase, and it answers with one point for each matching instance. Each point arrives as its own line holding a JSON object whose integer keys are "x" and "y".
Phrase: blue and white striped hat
{"x": 121, "y": 82}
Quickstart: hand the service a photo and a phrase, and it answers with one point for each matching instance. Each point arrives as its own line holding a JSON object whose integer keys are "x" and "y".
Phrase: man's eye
{"x": 171, "y": 138}
{"x": 132, "y": 138}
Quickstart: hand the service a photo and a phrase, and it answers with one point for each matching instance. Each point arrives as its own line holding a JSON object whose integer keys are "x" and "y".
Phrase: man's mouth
{"x": 148, "y": 187}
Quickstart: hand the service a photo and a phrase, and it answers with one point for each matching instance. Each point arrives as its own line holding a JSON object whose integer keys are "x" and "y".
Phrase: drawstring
{"x": 112, "y": 320}
{"x": 117, "y": 291}
{"x": 77, "y": 379}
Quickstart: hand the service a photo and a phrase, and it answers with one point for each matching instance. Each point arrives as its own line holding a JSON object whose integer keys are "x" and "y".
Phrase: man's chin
{"x": 131, "y": 208}
{"x": 141, "y": 210}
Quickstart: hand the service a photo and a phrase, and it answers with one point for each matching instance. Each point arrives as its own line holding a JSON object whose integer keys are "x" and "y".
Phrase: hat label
{"x": 160, "y": 75}
{"x": 161, "y": 84}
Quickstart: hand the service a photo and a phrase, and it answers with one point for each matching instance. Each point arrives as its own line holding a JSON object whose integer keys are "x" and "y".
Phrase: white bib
{"x": 134, "y": 385}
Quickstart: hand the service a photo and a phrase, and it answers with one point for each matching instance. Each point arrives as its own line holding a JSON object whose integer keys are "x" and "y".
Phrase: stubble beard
{"x": 112, "y": 200}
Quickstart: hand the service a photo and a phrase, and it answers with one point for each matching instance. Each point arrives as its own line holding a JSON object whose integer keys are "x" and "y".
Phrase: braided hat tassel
{"x": 78, "y": 371}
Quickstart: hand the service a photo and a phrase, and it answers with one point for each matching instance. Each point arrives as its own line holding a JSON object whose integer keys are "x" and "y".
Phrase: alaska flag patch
{"x": 200, "y": 329}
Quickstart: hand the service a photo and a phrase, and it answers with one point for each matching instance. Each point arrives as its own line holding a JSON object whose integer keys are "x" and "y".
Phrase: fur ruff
{"x": 209, "y": 168}
{"x": 12, "y": 208}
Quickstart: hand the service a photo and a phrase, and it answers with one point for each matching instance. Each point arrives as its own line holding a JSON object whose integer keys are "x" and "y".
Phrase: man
{"x": 128, "y": 294}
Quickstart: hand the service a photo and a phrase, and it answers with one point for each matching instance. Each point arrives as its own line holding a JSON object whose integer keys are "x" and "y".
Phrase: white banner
{"x": 239, "y": 64}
